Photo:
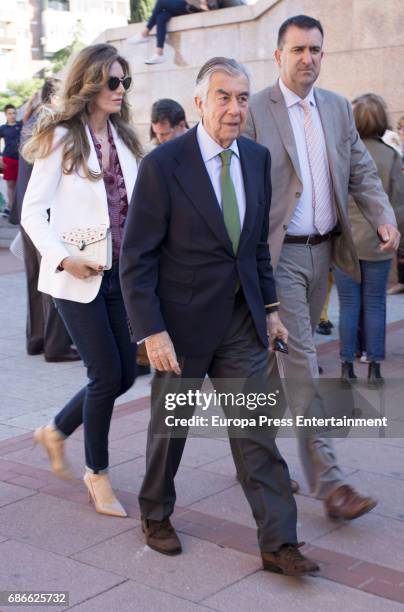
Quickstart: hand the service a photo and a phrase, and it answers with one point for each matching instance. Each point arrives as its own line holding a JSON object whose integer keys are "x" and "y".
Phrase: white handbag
{"x": 93, "y": 243}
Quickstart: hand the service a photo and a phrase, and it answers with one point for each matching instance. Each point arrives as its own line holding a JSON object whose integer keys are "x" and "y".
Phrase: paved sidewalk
{"x": 51, "y": 539}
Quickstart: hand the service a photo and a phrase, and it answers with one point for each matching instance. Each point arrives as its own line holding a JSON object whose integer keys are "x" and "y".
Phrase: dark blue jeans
{"x": 100, "y": 332}
{"x": 370, "y": 295}
{"x": 162, "y": 12}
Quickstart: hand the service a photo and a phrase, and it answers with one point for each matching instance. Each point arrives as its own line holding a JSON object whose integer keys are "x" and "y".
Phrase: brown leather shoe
{"x": 161, "y": 536}
{"x": 295, "y": 486}
{"x": 346, "y": 503}
{"x": 288, "y": 560}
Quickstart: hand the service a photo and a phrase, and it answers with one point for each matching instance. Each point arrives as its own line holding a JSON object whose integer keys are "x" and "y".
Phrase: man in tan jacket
{"x": 317, "y": 159}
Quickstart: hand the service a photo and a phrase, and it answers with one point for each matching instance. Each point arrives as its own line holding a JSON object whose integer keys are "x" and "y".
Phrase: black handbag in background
{"x": 194, "y": 6}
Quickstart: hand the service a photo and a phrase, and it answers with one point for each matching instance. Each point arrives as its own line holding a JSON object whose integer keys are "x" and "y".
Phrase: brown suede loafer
{"x": 288, "y": 560}
{"x": 161, "y": 536}
{"x": 345, "y": 503}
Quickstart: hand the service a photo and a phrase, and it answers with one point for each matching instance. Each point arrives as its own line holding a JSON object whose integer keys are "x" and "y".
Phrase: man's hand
{"x": 276, "y": 329}
{"x": 81, "y": 268}
{"x": 390, "y": 236}
{"x": 161, "y": 353}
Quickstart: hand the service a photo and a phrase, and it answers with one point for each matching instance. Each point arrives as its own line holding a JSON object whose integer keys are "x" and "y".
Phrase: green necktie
{"x": 229, "y": 201}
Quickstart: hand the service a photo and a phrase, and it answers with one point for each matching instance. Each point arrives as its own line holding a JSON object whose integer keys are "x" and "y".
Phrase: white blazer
{"x": 74, "y": 202}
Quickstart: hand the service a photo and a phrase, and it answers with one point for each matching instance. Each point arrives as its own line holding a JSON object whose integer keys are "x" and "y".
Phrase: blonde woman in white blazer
{"x": 85, "y": 164}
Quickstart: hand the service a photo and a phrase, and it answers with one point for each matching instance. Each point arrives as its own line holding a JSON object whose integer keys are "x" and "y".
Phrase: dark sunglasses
{"x": 114, "y": 82}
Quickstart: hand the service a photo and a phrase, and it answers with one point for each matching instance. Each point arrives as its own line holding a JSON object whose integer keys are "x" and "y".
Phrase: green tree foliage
{"x": 140, "y": 10}
{"x": 19, "y": 92}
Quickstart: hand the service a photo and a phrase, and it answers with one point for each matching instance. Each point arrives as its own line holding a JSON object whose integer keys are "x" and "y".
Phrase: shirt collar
{"x": 209, "y": 147}
{"x": 291, "y": 98}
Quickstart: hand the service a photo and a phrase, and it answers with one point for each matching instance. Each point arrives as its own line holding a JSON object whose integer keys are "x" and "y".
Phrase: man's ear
{"x": 278, "y": 55}
{"x": 199, "y": 105}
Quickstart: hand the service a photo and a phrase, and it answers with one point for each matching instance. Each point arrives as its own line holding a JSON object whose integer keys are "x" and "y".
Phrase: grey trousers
{"x": 45, "y": 330}
{"x": 262, "y": 471}
{"x": 301, "y": 282}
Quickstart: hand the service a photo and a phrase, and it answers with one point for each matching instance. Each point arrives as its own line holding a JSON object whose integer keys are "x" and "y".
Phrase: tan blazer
{"x": 352, "y": 169}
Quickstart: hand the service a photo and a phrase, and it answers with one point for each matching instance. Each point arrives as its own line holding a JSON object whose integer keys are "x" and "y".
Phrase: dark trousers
{"x": 262, "y": 471}
{"x": 100, "y": 332}
{"x": 162, "y": 13}
{"x": 45, "y": 330}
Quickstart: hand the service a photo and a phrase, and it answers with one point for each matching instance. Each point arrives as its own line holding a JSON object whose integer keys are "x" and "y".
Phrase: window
{"x": 59, "y": 5}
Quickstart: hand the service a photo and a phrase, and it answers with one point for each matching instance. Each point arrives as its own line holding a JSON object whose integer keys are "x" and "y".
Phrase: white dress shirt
{"x": 210, "y": 151}
{"x": 302, "y": 222}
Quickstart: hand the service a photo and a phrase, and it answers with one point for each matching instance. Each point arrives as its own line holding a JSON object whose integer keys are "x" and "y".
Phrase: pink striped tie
{"x": 320, "y": 177}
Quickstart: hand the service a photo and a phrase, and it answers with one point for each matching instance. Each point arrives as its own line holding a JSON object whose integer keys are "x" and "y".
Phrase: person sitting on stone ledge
{"x": 162, "y": 13}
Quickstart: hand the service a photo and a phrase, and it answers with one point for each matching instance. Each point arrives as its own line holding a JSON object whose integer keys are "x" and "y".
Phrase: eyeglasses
{"x": 114, "y": 82}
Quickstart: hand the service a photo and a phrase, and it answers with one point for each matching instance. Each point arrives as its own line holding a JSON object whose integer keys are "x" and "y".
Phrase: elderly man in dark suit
{"x": 198, "y": 286}
{"x": 317, "y": 159}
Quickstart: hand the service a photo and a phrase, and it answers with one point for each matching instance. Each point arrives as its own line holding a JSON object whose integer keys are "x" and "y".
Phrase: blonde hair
{"x": 88, "y": 74}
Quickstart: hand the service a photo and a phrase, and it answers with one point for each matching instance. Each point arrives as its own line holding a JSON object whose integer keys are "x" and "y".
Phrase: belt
{"x": 310, "y": 240}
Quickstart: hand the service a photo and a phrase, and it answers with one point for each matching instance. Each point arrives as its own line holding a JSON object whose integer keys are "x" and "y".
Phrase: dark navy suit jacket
{"x": 178, "y": 269}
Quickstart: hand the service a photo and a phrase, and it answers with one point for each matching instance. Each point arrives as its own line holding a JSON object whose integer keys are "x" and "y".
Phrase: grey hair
{"x": 217, "y": 64}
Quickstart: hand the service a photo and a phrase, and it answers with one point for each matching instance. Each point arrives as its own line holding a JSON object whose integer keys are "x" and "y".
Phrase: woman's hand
{"x": 81, "y": 268}
{"x": 390, "y": 237}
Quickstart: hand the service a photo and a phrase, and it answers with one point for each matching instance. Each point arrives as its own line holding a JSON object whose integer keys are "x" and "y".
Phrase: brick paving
{"x": 51, "y": 538}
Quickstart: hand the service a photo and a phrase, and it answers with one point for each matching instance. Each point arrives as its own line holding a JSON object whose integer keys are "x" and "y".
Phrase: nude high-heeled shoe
{"x": 101, "y": 494}
{"x": 54, "y": 444}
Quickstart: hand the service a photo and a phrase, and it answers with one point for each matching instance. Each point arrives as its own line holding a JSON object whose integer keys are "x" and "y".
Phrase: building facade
{"x": 31, "y": 31}
{"x": 15, "y": 41}
{"x": 62, "y": 20}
